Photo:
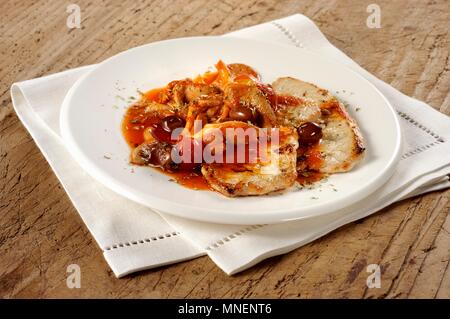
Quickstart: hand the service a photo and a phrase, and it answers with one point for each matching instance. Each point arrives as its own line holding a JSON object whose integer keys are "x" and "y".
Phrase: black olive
{"x": 160, "y": 133}
{"x": 163, "y": 130}
{"x": 258, "y": 119}
{"x": 154, "y": 154}
{"x": 309, "y": 133}
{"x": 160, "y": 155}
{"x": 241, "y": 113}
{"x": 172, "y": 122}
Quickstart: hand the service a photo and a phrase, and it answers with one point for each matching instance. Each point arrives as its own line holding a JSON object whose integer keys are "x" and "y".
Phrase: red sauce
{"x": 134, "y": 135}
{"x": 136, "y": 120}
{"x": 309, "y": 177}
{"x": 269, "y": 94}
{"x": 134, "y": 124}
{"x": 155, "y": 95}
{"x": 313, "y": 159}
{"x": 189, "y": 179}
{"x": 277, "y": 101}
{"x": 206, "y": 78}
{"x": 288, "y": 100}
{"x": 310, "y": 159}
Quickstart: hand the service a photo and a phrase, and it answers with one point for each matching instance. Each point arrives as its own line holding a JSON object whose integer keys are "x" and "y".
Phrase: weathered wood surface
{"x": 41, "y": 233}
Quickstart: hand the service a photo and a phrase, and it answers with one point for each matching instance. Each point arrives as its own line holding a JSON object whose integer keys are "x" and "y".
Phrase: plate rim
{"x": 205, "y": 215}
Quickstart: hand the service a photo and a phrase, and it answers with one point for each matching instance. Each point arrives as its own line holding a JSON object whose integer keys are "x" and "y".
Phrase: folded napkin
{"x": 133, "y": 237}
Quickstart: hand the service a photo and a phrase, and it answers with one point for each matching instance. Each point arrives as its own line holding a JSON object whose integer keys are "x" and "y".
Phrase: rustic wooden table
{"x": 41, "y": 233}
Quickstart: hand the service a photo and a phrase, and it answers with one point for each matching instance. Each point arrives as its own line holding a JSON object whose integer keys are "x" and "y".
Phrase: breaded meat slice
{"x": 277, "y": 171}
{"x": 342, "y": 145}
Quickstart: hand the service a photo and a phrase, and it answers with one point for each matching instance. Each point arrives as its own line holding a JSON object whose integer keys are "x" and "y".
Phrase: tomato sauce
{"x": 137, "y": 120}
{"x": 288, "y": 100}
{"x": 189, "y": 179}
{"x": 311, "y": 158}
{"x": 309, "y": 177}
{"x": 133, "y": 126}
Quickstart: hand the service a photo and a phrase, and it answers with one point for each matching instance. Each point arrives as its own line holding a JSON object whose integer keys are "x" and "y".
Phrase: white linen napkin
{"x": 133, "y": 237}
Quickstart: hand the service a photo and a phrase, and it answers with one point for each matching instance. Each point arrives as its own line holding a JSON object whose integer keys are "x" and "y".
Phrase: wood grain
{"x": 41, "y": 233}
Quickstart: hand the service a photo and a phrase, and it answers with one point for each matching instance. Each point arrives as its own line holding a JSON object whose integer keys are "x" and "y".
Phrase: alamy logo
{"x": 374, "y": 19}
{"x": 74, "y": 19}
{"x": 74, "y": 278}
{"x": 374, "y": 279}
